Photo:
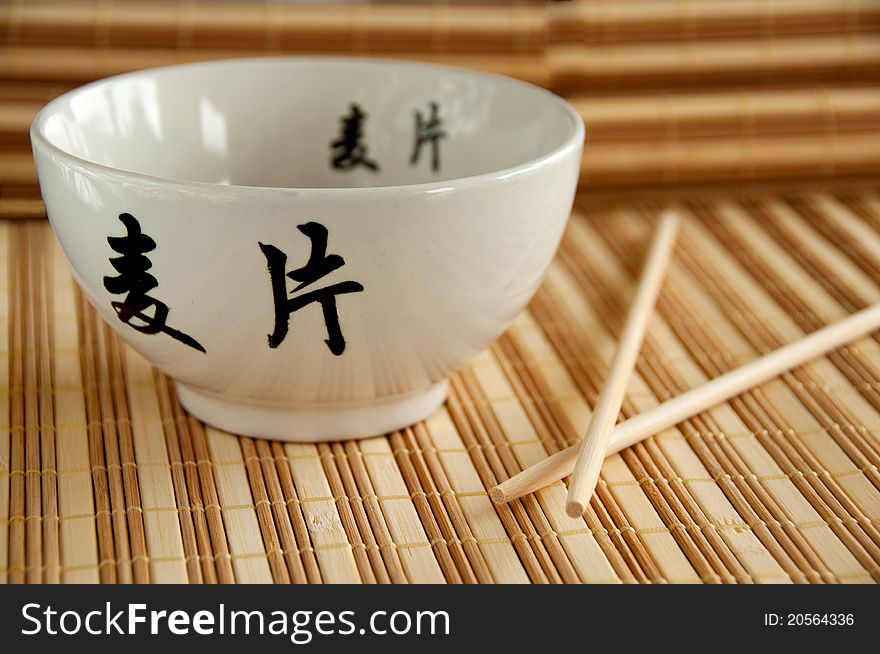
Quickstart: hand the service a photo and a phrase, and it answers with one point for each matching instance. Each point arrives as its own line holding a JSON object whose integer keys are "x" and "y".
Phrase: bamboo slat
{"x": 821, "y": 155}
{"x": 663, "y": 20}
{"x": 79, "y": 549}
{"x": 440, "y": 438}
{"x": 623, "y": 67}
{"x": 164, "y": 522}
{"x": 339, "y": 559}
{"x": 20, "y": 208}
{"x": 248, "y": 556}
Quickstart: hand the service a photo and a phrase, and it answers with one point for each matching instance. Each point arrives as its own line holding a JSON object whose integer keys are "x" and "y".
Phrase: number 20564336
{"x": 809, "y": 619}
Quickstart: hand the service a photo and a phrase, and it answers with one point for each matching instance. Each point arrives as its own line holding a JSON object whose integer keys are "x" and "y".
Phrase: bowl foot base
{"x": 312, "y": 424}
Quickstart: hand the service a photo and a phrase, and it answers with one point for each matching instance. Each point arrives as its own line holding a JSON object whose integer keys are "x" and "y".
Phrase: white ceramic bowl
{"x": 220, "y": 215}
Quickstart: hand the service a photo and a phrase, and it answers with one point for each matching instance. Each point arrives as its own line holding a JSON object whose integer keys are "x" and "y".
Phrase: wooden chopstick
{"x": 595, "y": 441}
{"x": 696, "y": 400}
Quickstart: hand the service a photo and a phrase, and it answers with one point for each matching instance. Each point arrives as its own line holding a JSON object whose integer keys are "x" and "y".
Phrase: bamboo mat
{"x": 104, "y": 478}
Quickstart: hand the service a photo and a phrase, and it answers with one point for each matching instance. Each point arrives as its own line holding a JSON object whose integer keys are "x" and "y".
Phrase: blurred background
{"x": 676, "y": 94}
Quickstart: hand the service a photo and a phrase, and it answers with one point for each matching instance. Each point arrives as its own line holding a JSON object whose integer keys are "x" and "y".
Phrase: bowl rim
{"x": 574, "y": 140}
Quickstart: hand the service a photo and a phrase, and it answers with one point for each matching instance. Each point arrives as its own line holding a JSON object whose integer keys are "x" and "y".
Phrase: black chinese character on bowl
{"x": 428, "y": 130}
{"x": 349, "y": 150}
{"x": 135, "y": 282}
{"x": 319, "y": 265}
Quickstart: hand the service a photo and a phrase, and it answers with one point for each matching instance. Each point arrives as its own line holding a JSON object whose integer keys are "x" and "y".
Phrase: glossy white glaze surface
{"x": 214, "y": 159}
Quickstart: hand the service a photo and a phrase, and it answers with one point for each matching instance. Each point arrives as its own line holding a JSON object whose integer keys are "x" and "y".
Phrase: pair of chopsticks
{"x": 584, "y": 460}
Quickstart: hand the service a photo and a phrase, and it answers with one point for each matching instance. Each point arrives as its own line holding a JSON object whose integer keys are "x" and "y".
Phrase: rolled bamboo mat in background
{"x": 673, "y": 93}
{"x": 103, "y": 477}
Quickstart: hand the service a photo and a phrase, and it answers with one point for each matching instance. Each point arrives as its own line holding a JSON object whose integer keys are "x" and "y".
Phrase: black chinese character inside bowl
{"x": 309, "y": 246}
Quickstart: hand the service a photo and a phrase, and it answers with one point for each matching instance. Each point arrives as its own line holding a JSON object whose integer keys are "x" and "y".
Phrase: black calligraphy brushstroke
{"x": 319, "y": 265}
{"x": 134, "y": 281}
{"x": 349, "y": 150}
{"x": 428, "y": 131}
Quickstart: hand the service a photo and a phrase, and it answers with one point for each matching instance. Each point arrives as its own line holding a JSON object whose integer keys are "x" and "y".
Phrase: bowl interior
{"x": 309, "y": 123}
